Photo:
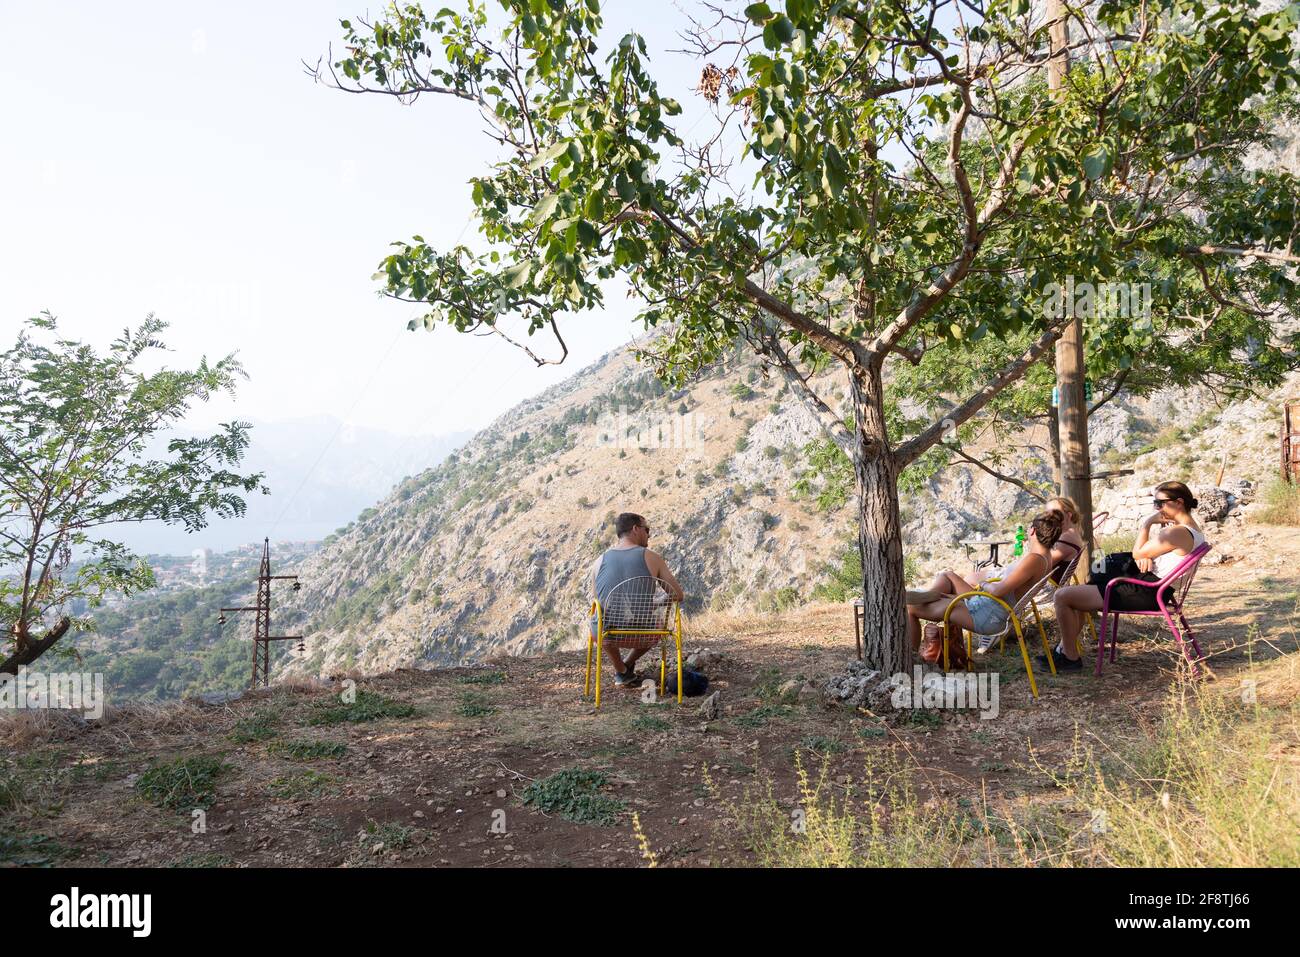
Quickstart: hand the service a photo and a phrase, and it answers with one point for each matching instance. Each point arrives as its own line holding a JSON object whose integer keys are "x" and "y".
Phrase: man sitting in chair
{"x": 629, "y": 559}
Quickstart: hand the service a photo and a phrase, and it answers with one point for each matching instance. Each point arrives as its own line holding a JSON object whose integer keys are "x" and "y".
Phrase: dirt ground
{"x": 444, "y": 786}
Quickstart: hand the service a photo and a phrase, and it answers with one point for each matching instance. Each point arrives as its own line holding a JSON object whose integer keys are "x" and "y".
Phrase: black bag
{"x": 1126, "y": 596}
{"x": 695, "y": 683}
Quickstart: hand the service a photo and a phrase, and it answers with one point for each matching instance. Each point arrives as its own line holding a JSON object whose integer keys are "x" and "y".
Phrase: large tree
{"x": 78, "y": 459}
{"x": 910, "y": 192}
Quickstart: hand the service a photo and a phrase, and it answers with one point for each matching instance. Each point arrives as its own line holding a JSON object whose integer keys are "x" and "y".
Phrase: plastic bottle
{"x": 1020, "y": 542}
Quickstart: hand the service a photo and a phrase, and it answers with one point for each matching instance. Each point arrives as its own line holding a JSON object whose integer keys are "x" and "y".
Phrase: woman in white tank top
{"x": 1164, "y": 540}
{"x": 1176, "y": 533}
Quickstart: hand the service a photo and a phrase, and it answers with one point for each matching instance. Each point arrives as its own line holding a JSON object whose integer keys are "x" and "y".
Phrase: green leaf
{"x": 549, "y": 154}
{"x": 1095, "y": 162}
{"x": 518, "y": 274}
{"x": 588, "y": 235}
{"x": 544, "y": 208}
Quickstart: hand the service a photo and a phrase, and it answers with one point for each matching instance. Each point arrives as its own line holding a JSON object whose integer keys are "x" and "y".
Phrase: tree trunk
{"x": 880, "y": 538}
{"x": 1054, "y": 444}
{"x": 1075, "y": 457}
{"x": 34, "y": 649}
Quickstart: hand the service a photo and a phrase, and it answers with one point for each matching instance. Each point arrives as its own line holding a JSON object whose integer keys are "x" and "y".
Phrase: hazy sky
{"x": 174, "y": 158}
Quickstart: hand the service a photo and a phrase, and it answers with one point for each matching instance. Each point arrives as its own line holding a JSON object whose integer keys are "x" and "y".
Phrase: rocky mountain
{"x": 489, "y": 552}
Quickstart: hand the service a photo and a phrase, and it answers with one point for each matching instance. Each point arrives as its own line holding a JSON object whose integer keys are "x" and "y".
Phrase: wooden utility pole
{"x": 1072, "y": 407}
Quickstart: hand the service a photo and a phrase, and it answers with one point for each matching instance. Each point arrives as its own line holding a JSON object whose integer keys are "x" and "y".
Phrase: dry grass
{"x": 1279, "y": 504}
{"x": 879, "y": 822}
{"x": 1214, "y": 782}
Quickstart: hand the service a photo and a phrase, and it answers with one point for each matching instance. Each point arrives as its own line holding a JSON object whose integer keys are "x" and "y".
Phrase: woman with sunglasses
{"x": 1166, "y": 537}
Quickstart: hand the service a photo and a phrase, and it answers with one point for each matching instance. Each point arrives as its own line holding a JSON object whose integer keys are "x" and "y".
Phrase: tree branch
{"x": 910, "y": 450}
{"x": 1001, "y": 477}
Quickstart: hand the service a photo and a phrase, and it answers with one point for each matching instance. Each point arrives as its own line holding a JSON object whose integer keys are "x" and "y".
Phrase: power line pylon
{"x": 262, "y": 636}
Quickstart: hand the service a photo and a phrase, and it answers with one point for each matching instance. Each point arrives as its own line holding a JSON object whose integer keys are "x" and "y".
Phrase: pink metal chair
{"x": 1179, "y": 580}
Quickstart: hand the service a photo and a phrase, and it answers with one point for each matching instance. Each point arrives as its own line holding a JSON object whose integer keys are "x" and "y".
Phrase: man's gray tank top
{"x": 630, "y": 602}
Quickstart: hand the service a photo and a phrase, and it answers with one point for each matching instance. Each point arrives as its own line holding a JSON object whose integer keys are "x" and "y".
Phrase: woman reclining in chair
{"x": 1067, "y": 547}
{"x": 1164, "y": 539}
{"x": 979, "y": 613}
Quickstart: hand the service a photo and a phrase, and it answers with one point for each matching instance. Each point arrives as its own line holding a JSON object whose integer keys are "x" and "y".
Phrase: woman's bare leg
{"x": 1072, "y": 603}
{"x": 933, "y": 611}
{"x": 914, "y": 626}
{"x": 951, "y": 583}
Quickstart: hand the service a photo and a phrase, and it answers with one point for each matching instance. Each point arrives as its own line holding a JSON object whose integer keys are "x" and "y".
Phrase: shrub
{"x": 308, "y": 750}
{"x": 181, "y": 784}
{"x": 1280, "y": 504}
{"x": 575, "y": 795}
{"x": 368, "y": 707}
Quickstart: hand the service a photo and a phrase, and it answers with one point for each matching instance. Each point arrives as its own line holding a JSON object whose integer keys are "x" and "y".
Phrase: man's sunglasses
{"x": 647, "y": 529}
{"x": 1163, "y": 501}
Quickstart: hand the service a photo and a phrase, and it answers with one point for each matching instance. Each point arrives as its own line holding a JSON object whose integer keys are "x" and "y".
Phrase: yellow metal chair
{"x": 637, "y": 613}
{"x": 1013, "y": 622}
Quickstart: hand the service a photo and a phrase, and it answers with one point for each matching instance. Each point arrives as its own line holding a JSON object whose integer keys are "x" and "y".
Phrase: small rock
{"x": 419, "y": 814}
{"x": 711, "y": 708}
{"x": 791, "y": 690}
{"x": 501, "y": 792}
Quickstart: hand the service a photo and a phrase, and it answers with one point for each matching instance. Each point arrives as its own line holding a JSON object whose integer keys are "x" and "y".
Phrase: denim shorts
{"x": 989, "y": 617}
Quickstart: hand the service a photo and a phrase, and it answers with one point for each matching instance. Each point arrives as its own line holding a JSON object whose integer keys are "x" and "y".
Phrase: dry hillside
{"x": 505, "y": 764}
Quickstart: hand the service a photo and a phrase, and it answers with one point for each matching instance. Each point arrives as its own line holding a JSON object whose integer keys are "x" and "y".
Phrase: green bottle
{"x": 1020, "y": 542}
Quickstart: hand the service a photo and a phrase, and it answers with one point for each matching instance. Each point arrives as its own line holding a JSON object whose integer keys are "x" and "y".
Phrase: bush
{"x": 308, "y": 750}
{"x": 1117, "y": 542}
{"x": 778, "y": 600}
{"x": 842, "y": 579}
{"x": 574, "y": 795}
{"x": 368, "y": 707}
{"x": 181, "y": 784}
{"x": 1279, "y": 504}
